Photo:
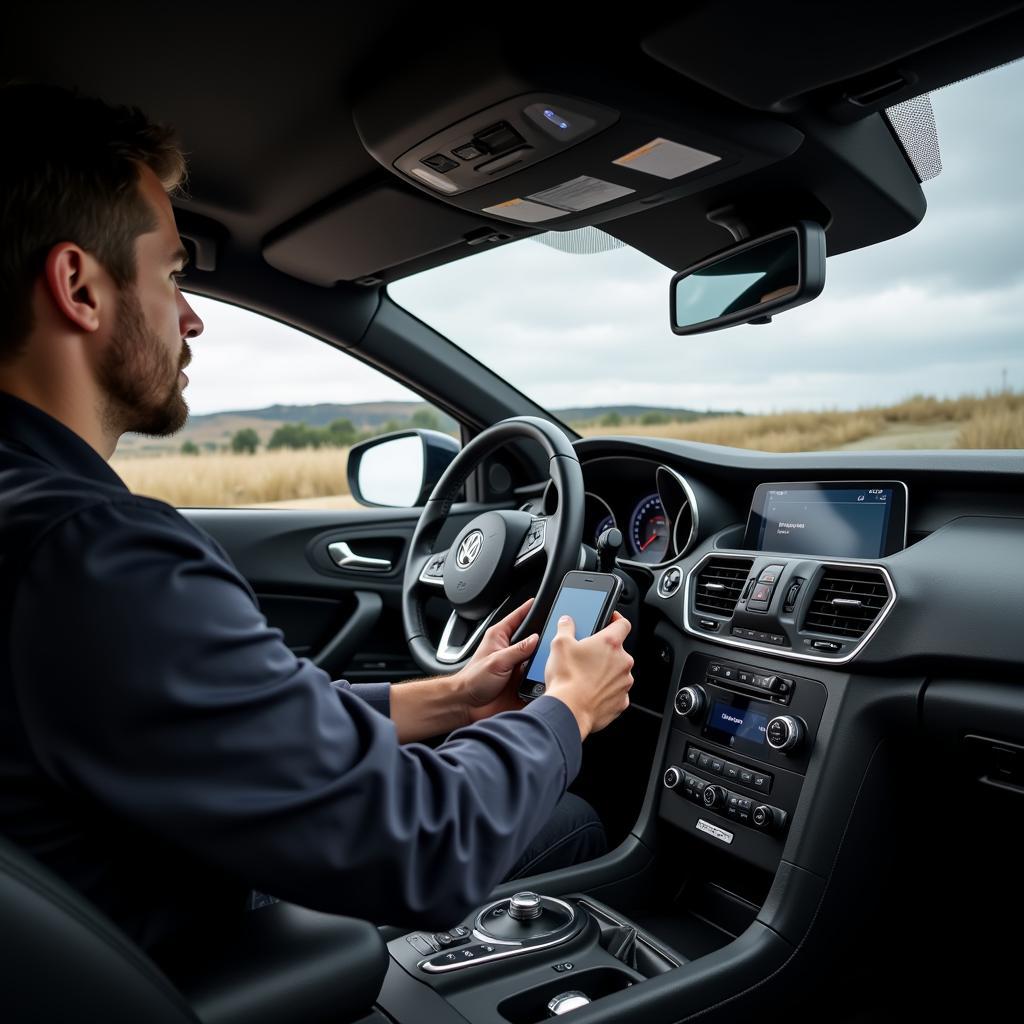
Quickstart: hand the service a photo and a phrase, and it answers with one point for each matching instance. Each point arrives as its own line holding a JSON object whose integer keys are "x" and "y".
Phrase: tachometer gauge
{"x": 649, "y": 530}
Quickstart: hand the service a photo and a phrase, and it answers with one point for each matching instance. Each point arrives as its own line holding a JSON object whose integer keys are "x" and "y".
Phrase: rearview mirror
{"x": 399, "y": 470}
{"x": 750, "y": 282}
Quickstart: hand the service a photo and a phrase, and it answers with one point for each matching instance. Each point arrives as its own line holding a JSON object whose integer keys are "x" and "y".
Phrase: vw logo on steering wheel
{"x": 469, "y": 549}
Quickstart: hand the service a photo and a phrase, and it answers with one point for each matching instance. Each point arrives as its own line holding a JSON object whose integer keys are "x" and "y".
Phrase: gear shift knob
{"x": 525, "y": 906}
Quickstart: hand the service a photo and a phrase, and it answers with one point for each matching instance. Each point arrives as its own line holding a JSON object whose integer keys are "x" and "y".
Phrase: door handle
{"x": 345, "y": 558}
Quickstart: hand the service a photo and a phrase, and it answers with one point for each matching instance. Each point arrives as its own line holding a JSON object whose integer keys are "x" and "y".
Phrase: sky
{"x": 939, "y": 310}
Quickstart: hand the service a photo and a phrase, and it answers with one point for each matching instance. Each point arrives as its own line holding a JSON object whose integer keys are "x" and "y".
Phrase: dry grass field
{"x": 991, "y": 421}
{"x": 222, "y": 479}
{"x": 316, "y": 478}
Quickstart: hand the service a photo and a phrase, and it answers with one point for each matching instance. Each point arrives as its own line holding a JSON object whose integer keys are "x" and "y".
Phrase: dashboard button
{"x": 770, "y": 574}
{"x": 761, "y": 782}
{"x": 421, "y": 944}
{"x": 704, "y": 762}
{"x": 761, "y": 638}
{"x": 731, "y": 772}
{"x": 717, "y": 766}
{"x": 827, "y": 645}
{"x": 746, "y": 777}
{"x": 693, "y": 755}
{"x": 761, "y": 593}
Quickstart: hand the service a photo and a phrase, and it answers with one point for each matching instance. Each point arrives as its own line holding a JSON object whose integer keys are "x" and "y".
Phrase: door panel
{"x": 345, "y": 618}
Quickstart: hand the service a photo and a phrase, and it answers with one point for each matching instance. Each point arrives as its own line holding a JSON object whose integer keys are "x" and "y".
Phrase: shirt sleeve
{"x": 377, "y": 695}
{"x": 151, "y": 685}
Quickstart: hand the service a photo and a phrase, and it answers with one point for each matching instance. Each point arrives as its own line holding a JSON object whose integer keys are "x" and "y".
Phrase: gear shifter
{"x": 527, "y": 918}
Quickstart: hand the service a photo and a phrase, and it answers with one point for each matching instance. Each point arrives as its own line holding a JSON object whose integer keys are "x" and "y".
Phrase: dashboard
{"x": 779, "y": 592}
{"x": 878, "y": 557}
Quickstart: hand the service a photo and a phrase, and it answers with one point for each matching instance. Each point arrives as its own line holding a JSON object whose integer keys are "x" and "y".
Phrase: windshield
{"x": 914, "y": 343}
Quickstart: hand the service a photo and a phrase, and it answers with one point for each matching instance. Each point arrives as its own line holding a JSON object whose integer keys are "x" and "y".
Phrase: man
{"x": 160, "y": 746}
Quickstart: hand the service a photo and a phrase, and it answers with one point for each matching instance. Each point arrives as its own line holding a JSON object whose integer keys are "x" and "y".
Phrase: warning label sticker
{"x": 581, "y": 194}
{"x": 524, "y": 210}
{"x": 666, "y": 159}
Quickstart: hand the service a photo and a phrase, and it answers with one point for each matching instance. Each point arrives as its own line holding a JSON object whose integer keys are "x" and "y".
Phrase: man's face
{"x": 140, "y": 370}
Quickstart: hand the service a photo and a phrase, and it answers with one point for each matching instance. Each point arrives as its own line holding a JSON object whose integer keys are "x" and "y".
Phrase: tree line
{"x": 340, "y": 433}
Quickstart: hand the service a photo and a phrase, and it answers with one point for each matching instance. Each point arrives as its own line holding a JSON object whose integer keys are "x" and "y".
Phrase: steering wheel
{"x": 495, "y": 554}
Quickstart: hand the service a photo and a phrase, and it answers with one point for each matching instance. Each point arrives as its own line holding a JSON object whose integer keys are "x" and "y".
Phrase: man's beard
{"x": 140, "y": 378}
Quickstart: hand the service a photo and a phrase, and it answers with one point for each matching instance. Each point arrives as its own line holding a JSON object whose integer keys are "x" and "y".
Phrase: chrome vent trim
{"x": 719, "y": 585}
{"x": 846, "y": 602}
{"x": 726, "y": 640}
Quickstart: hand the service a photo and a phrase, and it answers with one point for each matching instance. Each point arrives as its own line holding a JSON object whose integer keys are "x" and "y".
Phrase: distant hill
{"x": 215, "y": 430}
{"x": 595, "y": 413}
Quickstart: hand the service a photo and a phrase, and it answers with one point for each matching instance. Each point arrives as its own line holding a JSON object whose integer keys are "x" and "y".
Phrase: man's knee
{"x": 574, "y": 833}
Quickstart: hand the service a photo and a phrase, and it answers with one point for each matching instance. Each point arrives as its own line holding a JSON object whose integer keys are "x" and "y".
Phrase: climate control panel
{"x": 740, "y": 740}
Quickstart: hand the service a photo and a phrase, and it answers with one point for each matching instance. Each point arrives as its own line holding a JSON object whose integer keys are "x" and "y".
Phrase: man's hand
{"x": 489, "y": 682}
{"x": 591, "y": 676}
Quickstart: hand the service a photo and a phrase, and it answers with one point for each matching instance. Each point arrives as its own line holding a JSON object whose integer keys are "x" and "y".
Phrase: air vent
{"x": 719, "y": 585}
{"x": 846, "y": 602}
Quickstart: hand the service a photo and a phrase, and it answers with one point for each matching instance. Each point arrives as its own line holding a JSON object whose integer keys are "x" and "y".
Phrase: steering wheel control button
{"x": 785, "y": 734}
{"x": 433, "y": 570}
{"x": 690, "y": 702}
{"x": 534, "y": 541}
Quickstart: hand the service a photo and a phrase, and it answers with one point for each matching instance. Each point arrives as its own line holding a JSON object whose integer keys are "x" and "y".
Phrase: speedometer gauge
{"x": 649, "y": 530}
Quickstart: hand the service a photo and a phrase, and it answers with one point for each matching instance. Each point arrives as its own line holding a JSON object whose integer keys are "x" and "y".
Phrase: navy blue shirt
{"x": 164, "y": 751}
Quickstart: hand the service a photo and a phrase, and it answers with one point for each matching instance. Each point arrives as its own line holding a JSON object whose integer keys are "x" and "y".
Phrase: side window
{"x": 272, "y": 414}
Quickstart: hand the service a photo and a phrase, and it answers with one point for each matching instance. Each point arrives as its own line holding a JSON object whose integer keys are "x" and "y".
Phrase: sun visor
{"x": 860, "y": 58}
{"x": 377, "y": 228}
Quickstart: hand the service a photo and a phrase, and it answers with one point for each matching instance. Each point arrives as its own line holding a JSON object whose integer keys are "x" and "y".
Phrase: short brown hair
{"x": 70, "y": 173}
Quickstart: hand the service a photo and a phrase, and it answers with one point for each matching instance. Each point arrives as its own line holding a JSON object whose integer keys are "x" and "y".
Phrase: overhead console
{"x": 555, "y": 141}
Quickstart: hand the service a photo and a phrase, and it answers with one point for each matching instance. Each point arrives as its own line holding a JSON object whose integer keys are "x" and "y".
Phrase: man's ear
{"x": 77, "y": 284}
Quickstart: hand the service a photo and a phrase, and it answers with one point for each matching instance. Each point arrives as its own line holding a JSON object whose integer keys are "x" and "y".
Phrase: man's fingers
{"x": 566, "y": 627}
{"x": 618, "y": 629}
{"x": 514, "y": 619}
{"x": 512, "y": 656}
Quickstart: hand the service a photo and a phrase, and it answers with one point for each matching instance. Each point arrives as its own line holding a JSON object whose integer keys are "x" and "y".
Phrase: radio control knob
{"x": 714, "y": 796}
{"x": 673, "y": 776}
{"x": 691, "y": 701}
{"x": 785, "y": 733}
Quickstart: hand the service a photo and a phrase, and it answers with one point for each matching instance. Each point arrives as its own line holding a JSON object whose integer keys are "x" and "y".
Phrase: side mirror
{"x": 750, "y": 282}
{"x": 399, "y": 470}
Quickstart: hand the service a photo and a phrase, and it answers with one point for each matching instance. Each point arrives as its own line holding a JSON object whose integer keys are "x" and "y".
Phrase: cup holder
{"x": 531, "y": 1006}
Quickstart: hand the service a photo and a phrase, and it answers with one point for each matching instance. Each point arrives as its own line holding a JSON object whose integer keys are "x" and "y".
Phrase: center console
{"x": 740, "y": 740}
{"x": 525, "y": 958}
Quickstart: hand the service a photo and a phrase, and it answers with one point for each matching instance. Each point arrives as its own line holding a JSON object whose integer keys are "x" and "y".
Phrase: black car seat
{"x": 63, "y": 960}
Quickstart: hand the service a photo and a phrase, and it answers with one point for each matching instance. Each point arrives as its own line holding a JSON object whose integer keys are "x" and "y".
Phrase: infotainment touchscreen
{"x": 831, "y": 519}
